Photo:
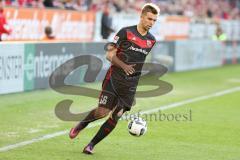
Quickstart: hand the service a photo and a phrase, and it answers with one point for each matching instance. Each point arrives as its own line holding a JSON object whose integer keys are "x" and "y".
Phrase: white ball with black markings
{"x": 137, "y": 126}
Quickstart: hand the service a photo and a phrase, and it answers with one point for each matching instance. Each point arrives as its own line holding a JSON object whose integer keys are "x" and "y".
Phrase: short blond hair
{"x": 150, "y": 7}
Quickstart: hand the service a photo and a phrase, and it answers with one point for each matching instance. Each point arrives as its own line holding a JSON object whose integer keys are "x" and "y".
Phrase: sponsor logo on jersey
{"x": 149, "y": 43}
{"x": 139, "y": 50}
{"x": 116, "y": 38}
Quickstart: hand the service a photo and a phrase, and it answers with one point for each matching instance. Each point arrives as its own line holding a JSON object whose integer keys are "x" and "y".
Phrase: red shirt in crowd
{"x": 3, "y": 24}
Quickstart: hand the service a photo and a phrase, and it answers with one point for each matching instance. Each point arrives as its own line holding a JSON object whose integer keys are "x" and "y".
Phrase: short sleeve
{"x": 120, "y": 36}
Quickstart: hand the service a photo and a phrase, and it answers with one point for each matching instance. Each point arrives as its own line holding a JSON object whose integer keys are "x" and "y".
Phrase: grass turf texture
{"x": 212, "y": 133}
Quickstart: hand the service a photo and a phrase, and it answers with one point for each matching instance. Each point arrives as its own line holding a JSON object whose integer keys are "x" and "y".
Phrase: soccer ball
{"x": 137, "y": 126}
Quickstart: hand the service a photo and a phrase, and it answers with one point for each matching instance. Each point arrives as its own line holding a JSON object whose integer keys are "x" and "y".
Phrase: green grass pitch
{"x": 212, "y": 134}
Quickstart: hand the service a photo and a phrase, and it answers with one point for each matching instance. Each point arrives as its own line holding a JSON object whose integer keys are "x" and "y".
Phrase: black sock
{"x": 105, "y": 129}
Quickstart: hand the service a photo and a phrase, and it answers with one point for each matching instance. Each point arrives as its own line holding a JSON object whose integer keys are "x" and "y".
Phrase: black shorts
{"x": 119, "y": 93}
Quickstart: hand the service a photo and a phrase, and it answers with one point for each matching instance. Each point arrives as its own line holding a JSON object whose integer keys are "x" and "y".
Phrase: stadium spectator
{"x": 4, "y": 29}
{"x": 81, "y": 5}
{"x": 48, "y": 3}
{"x": 37, "y": 4}
{"x": 198, "y": 9}
{"x": 106, "y": 24}
{"x": 48, "y": 33}
{"x": 219, "y": 35}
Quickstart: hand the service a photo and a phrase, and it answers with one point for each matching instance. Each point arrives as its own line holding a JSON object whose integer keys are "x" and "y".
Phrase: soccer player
{"x": 120, "y": 83}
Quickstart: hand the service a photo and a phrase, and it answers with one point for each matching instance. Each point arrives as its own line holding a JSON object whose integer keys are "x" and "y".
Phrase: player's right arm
{"x": 111, "y": 53}
{"x": 111, "y": 56}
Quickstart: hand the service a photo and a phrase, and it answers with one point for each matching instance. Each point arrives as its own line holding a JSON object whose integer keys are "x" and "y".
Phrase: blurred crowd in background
{"x": 222, "y": 9}
{"x": 203, "y": 11}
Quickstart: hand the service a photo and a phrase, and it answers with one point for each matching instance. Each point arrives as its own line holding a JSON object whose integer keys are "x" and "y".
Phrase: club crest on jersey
{"x": 116, "y": 38}
{"x": 149, "y": 43}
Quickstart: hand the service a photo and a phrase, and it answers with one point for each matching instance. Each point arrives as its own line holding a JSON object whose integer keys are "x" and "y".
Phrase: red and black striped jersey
{"x": 133, "y": 48}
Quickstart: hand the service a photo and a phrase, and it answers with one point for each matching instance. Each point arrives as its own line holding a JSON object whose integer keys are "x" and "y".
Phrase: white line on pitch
{"x": 173, "y": 105}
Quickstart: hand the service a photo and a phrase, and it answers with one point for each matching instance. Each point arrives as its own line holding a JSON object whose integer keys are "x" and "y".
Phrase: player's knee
{"x": 120, "y": 113}
{"x": 101, "y": 112}
{"x": 117, "y": 114}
